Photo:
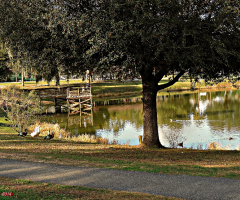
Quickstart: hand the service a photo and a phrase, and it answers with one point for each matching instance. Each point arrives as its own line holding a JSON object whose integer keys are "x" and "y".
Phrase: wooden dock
{"x": 79, "y": 100}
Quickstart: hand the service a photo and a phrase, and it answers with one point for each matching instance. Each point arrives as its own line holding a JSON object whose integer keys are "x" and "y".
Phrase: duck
{"x": 49, "y": 136}
{"x": 60, "y": 136}
{"x": 180, "y": 144}
{"x": 36, "y": 132}
{"x": 23, "y": 134}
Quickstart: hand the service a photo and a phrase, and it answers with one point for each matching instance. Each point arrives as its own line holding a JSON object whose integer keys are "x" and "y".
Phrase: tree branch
{"x": 163, "y": 86}
{"x": 160, "y": 75}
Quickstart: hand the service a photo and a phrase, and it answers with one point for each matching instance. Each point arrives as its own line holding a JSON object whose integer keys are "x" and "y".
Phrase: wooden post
{"x": 90, "y": 93}
{"x": 80, "y": 121}
{"x": 140, "y": 139}
{"x": 80, "y": 106}
{"x": 57, "y": 105}
{"x": 68, "y": 105}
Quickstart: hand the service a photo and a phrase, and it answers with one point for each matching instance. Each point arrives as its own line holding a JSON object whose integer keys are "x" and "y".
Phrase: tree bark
{"x": 150, "y": 135}
{"x": 57, "y": 79}
{"x": 22, "y": 76}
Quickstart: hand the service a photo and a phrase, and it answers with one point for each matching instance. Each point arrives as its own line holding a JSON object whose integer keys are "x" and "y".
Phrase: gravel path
{"x": 187, "y": 187}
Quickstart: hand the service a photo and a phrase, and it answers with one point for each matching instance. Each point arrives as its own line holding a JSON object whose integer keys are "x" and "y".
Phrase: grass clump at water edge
{"x": 62, "y": 133}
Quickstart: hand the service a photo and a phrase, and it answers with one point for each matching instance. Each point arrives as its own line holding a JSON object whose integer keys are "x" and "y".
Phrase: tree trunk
{"x": 57, "y": 79}
{"x": 22, "y": 77}
{"x": 150, "y": 134}
{"x": 150, "y": 89}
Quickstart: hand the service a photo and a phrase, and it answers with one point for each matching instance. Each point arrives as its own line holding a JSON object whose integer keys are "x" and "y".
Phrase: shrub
{"x": 22, "y": 108}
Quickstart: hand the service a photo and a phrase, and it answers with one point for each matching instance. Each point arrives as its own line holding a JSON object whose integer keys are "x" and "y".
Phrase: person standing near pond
{"x": 87, "y": 86}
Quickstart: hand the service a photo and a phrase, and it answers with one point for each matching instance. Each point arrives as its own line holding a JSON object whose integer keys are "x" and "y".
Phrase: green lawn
{"x": 129, "y": 88}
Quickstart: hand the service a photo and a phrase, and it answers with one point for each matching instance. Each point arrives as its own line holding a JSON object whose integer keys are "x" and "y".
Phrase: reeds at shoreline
{"x": 63, "y": 134}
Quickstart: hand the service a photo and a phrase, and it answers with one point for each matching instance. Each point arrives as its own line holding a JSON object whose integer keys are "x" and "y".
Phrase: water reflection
{"x": 195, "y": 119}
{"x": 202, "y": 118}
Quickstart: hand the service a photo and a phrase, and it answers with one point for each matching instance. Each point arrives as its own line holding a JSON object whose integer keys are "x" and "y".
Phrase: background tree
{"x": 4, "y": 70}
{"x": 26, "y": 33}
{"x": 22, "y": 108}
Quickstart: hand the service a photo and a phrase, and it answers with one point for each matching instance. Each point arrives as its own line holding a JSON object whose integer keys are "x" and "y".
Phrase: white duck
{"x": 36, "y": 131}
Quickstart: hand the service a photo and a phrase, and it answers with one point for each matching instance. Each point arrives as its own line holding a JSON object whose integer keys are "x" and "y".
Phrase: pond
{"x": 196, "y": 119}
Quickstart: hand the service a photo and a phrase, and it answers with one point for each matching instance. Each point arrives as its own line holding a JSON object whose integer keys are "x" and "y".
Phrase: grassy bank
{"x": 113, "y": 88}
{"x": 22, "y": 189}
{"x": 214, "y": 163}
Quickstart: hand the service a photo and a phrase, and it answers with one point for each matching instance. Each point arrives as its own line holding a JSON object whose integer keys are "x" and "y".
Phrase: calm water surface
{"x": 195, "y": 119}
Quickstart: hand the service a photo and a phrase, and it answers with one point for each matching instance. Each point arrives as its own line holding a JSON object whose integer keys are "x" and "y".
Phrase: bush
{"x": 22, "y": 108}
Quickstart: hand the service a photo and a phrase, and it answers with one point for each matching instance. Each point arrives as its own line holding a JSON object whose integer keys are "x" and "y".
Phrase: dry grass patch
{"x": 62, "y": 133}
{"x": 217, "y": 146}
{"x": 46, "y": 127}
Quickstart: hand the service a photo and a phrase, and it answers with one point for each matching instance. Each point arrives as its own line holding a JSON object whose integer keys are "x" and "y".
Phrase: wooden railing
{"x": 79, "y": 92}
{"x": 53, "y": 92}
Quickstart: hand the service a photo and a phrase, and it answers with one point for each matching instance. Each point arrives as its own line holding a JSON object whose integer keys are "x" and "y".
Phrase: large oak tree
{"x": 158, "y": 37}
{"x": 151, "y": 37}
